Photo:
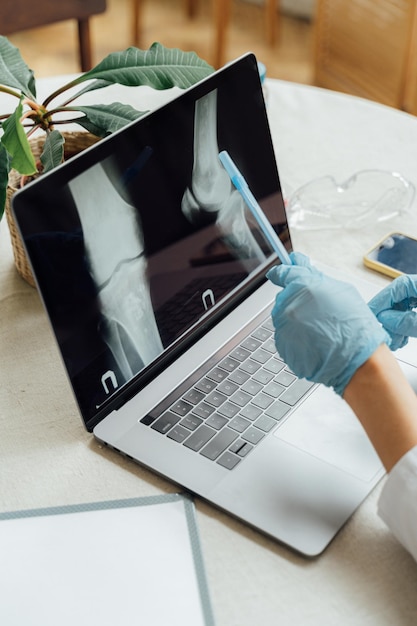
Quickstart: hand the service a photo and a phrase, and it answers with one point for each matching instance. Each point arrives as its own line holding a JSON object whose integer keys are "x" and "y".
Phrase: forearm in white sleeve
{"x": 398, "y": 501}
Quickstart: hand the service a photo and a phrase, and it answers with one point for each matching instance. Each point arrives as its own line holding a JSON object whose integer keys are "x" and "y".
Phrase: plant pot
{"x": 75, "y": 143}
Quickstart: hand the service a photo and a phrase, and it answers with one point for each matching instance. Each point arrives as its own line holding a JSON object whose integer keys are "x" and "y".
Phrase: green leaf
{"x": 13, "y": 70}
{"x": 17, "y": 145}
{"x": 104, "y": 119}
{"x": 53, "y": 151}
{"x": 158, "y": 67}
{"x": 4, "y": 176}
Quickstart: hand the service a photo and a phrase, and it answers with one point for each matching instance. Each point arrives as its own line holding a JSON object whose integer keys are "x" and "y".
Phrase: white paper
{"x": 132, "y": 565}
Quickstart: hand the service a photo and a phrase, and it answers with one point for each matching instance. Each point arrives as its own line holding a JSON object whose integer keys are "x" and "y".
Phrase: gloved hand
{"x": 393, "y": 307}
{"x": 324, "y": 330}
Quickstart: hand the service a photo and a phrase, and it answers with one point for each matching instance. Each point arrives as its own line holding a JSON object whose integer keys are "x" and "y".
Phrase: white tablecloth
{"x": 48, "y": 459}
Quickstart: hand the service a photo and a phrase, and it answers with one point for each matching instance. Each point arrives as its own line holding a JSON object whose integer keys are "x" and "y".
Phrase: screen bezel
{"x": 22, "y": 201}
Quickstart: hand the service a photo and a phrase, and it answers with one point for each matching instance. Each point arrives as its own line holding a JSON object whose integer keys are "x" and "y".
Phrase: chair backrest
{"x": 221, "y": 11}
{"x": 363, "y": 47}
{"x": 410, "y": 92}
{"x": 18, "y": 15}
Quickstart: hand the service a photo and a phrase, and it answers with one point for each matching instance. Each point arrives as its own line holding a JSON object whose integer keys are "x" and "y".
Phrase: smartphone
{"x": 394, "y": 255}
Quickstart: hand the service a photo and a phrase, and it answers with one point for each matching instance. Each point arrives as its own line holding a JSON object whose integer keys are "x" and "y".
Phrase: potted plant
{"x": 157, "y": 67}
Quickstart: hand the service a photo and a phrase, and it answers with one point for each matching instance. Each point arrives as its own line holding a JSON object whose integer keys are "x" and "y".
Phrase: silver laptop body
{"x": 153, "y": 277}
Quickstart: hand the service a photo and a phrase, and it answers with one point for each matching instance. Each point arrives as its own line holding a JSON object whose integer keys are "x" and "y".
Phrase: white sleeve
{"x": 397, "y": 504}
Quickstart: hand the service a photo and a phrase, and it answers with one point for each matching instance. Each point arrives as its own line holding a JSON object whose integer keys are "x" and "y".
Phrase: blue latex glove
{"x": 394, "y": 306}
{"x": 324, "y": 330}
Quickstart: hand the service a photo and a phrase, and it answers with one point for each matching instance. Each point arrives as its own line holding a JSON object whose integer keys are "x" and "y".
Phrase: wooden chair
{"x": 363, "y": 47}
{"x": 18, "y": 15}
{"x": 410, "y": 90}
{"x": 222, "y": 11}
{"x": 222, "y": 14}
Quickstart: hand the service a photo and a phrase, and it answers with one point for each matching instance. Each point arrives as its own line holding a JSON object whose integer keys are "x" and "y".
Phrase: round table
{"x": 48, "y": 459}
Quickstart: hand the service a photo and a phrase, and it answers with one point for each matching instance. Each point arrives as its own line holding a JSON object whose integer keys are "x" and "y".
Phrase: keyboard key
{"x": 270, "y": 346}
{"x": 274, "y": 365}
{"x": 244, "y": 450}
{"x": 239, "y": 377}
{"x": 228, "y": 409}
{"x": 215, "y": 398}
{"x": 262, "y": 400}
{"x": 217, "y": 374}
{"x": 265, "y": 423}
{"x": 261, "y": 356}
{"x": 241, "y": 448}
{"x": 261, "y": 333}
{"x": 269, "y": 324}
{"x": 251, "y": 412}
{"x": 239, "y": 423}
{"x": 253, "y": 435}
{"x": 252, "y": 387}
{"x": 240, "y": 354}
{"x": 148, "y": 420}
{"x": 251, "y": 344}
{"x": 199, "y": 438}
{"x": 205, "y": 385}
{"x": 263, "y": 376}
{"x": 219, "y": 444}
{"x": 229, "y": 364}
{"x": 164, "y": 423}
{"x": 297, "y": 390}
{"x": 237, "y": 445}
{"x": 250, "y": 366}
{"x": 228, "y": 460}
{"x": 193, "y": 396}
{"x": 227, "y": 387}
{"x": 216, "y": 421}
{"x": 191, "y": 422}
{"x": 274, "y": 389}
{"x": 285, "y": 378}
{"x": 181, "y": 407}
{"x": 178, "y": 434}
{"x": 277, "y": 410}
{"x": 241, "y": 398}
{"x": 203, "y": 410}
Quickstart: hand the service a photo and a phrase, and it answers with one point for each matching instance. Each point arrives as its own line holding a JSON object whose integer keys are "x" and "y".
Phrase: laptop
{"x": 152, "y": 273}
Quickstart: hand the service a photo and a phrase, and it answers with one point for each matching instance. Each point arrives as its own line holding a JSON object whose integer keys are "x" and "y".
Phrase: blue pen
{"x": 242, "y": 186}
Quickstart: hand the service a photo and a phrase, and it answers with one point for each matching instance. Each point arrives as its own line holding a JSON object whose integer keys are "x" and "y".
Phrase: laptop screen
{"x": 141, "y": 242}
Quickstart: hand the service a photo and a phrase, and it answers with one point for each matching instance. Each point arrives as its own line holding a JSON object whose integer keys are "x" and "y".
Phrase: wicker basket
{"x": 74, "y": 143}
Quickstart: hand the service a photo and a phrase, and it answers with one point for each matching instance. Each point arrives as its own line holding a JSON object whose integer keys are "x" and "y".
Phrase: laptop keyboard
{"x": 233, "y": 401}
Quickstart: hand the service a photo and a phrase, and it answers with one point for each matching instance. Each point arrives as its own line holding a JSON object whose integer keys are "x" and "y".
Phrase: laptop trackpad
{"x": 325, "y": 427}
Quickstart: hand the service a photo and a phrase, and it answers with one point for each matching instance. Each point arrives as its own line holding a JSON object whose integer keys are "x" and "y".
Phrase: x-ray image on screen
{"x": 114, "y": 246}
{"x": 211, "y": 194}
{"x": 142, "y": 242}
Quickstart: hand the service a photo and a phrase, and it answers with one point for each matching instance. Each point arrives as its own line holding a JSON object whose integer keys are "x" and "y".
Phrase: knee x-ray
{"x": 143, "y": 238}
